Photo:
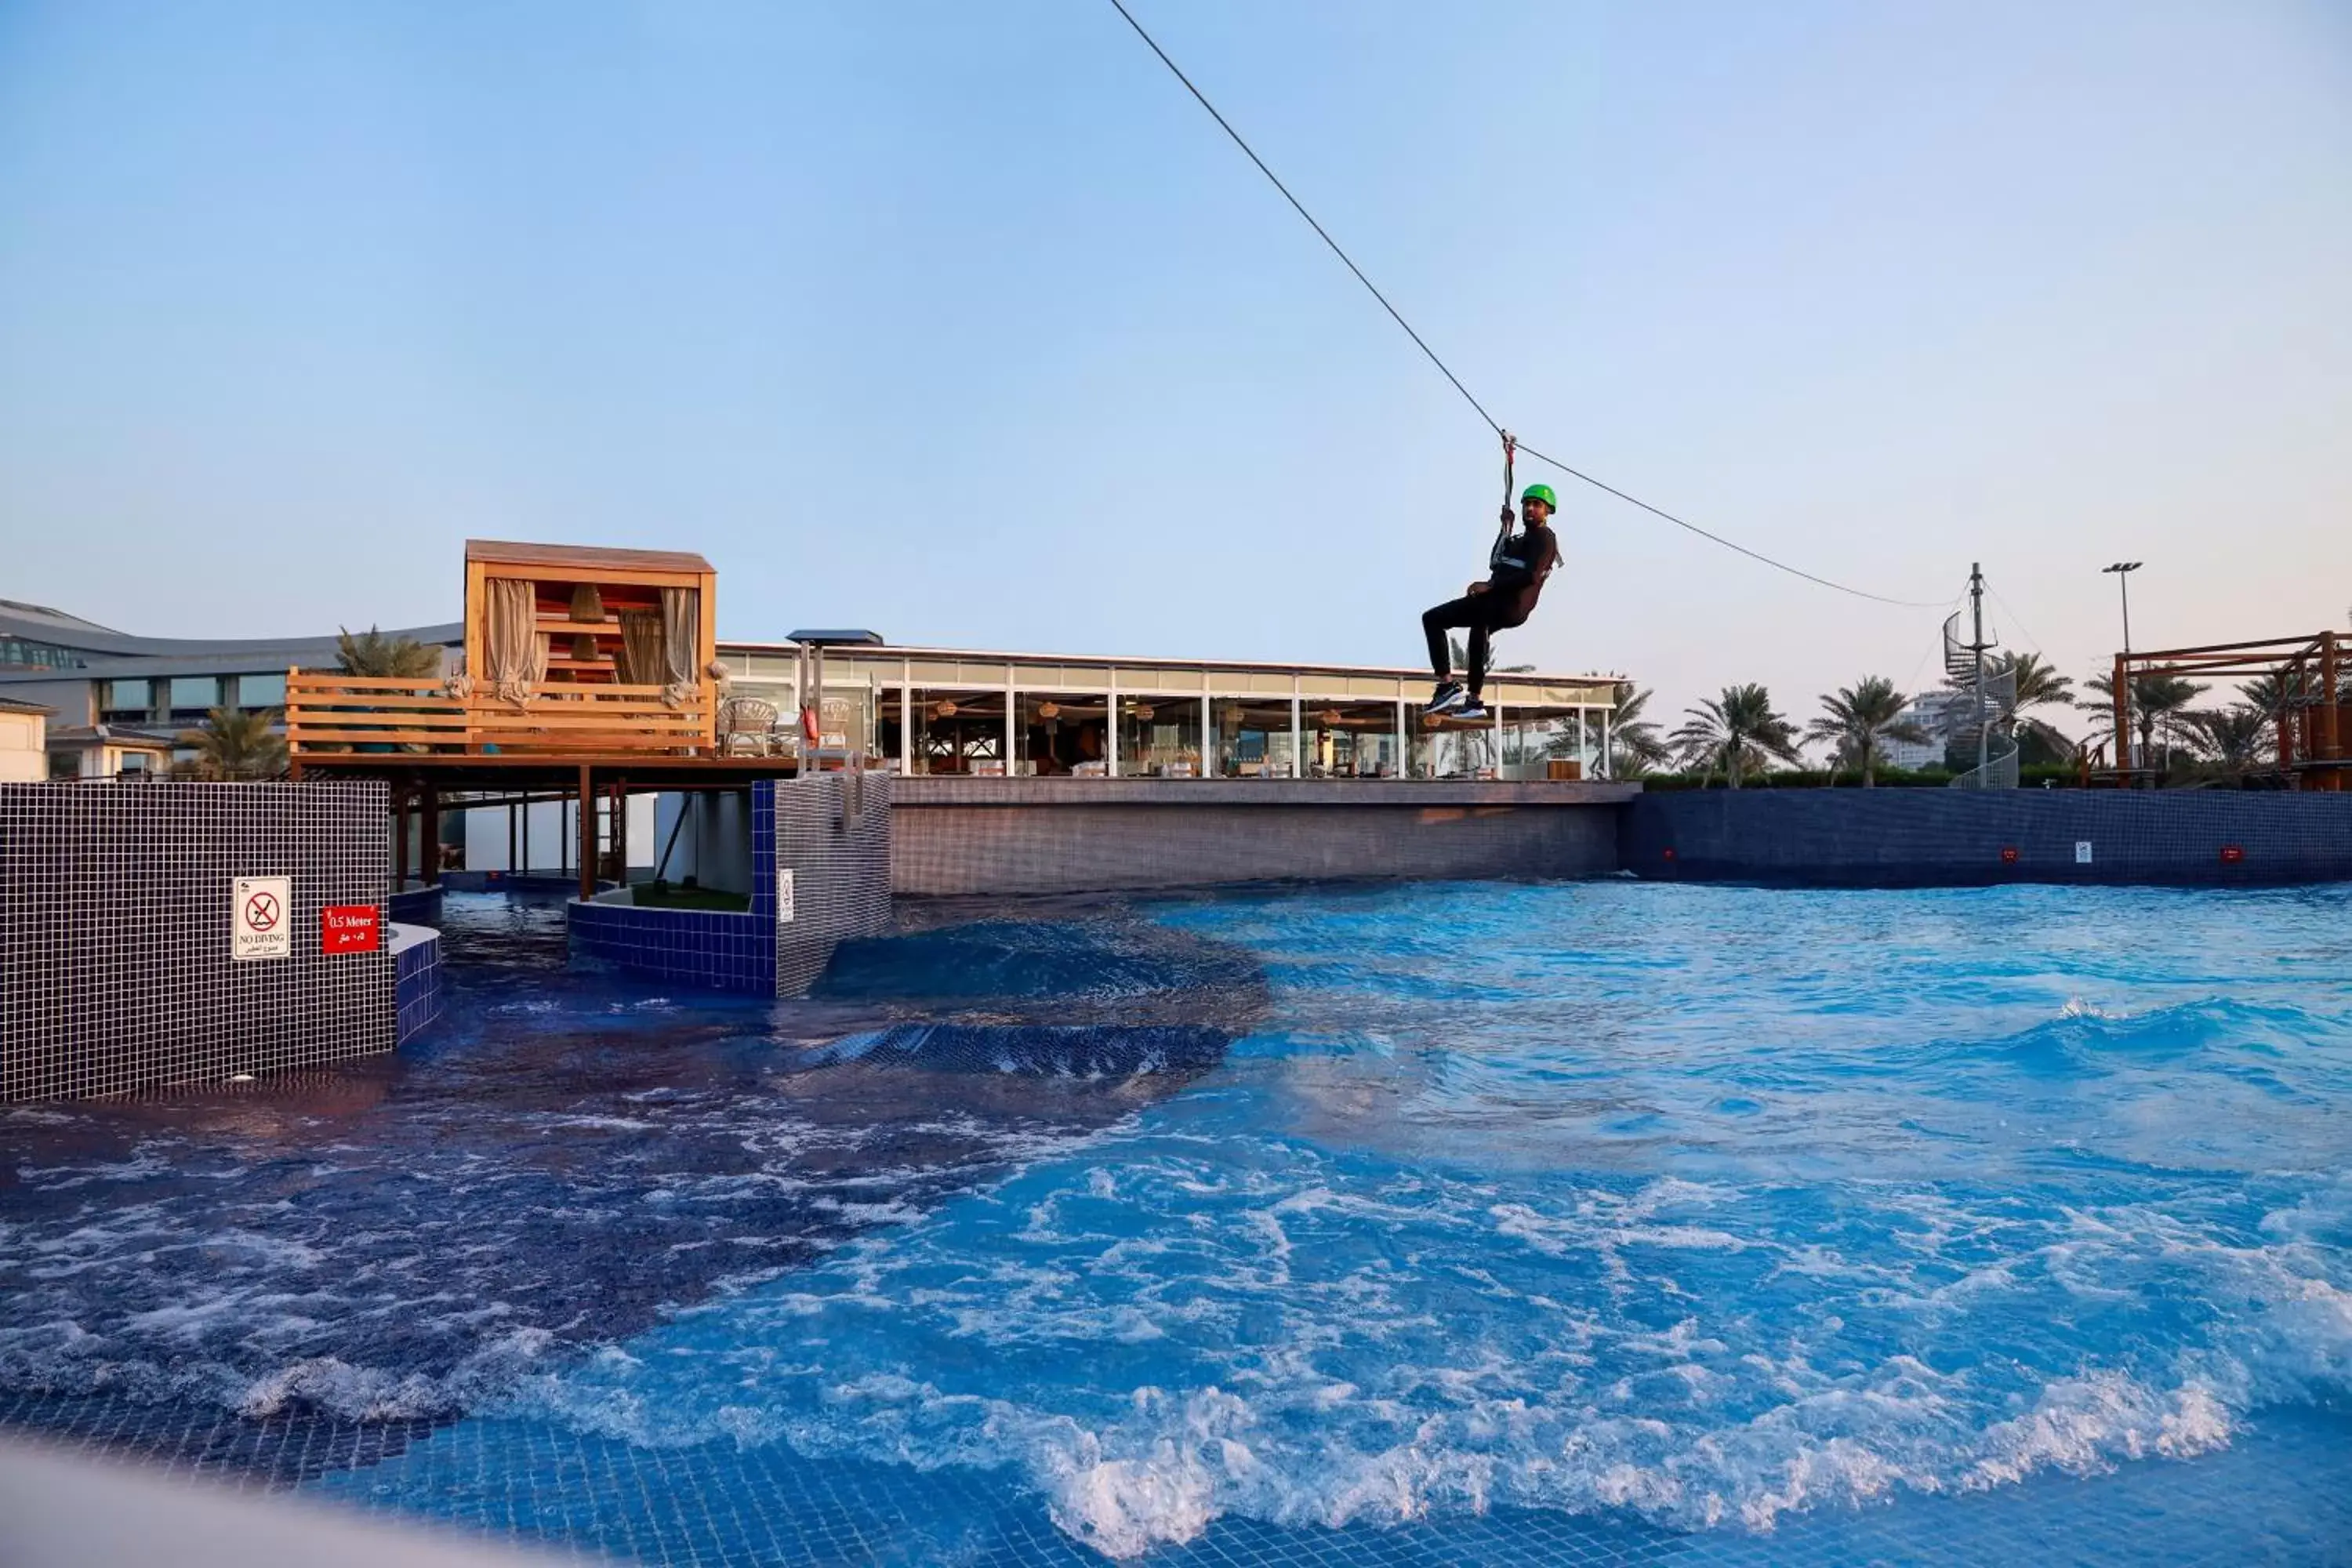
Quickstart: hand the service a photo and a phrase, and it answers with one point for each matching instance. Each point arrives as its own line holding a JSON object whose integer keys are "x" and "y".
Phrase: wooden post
{"x": 587, "y": 834}
{"x": 2331, "y": 713}
{"x": 2124, "y": 756}
{"x": 428, "y": 835}
{"x": 621, "y": 831}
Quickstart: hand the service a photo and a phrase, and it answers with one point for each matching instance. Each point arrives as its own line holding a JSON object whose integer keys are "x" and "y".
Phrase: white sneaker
{"x": 1471, "y": 709}
{"x": 1448, "y": 697}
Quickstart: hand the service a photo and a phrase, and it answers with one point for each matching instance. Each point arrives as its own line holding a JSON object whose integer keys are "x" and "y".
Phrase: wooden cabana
{"x": 587, "y": 671}
{"x": 550, "y": 615}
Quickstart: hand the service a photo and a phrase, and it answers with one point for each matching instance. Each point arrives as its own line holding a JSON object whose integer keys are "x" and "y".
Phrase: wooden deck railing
{"x": 331, "y": 714}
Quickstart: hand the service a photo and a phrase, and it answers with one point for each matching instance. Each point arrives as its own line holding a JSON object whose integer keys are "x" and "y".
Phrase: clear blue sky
{"x": 961, "y": 322}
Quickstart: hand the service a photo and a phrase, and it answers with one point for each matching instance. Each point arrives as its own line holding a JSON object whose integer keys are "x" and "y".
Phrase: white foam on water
{"x": 1561, "y": 1367}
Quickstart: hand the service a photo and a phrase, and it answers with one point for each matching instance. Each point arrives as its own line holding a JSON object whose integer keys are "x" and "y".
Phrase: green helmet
{"x": 1539, "y": 492}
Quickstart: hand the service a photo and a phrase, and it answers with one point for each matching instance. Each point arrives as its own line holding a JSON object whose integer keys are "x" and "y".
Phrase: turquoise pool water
{"x": 1457, "y": 1224}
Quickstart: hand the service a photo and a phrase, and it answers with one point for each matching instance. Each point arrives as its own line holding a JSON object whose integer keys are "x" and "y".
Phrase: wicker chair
{"x": 750, "y": 720}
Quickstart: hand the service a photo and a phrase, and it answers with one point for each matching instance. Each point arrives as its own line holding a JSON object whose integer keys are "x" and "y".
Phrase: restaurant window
{"x": 1159, "y": 737}
{"x": 127, "y": 696}
{"x": 1252, "y": 737}
{"x": 1343, "y": 740}
{"x": 1063, "y": 735}
{"x": 956, "y": 731}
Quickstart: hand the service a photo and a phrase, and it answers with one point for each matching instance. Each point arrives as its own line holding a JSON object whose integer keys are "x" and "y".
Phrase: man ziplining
{"x": 1517, "y": 568}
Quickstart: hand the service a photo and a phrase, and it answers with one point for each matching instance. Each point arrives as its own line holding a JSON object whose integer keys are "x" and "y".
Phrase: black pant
{"x": 1484, "y": 613}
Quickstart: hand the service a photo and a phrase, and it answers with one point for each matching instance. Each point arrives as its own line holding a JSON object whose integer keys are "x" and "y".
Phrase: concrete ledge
{"x": 1081, "y": 842}
{"x": 917, "y": 791}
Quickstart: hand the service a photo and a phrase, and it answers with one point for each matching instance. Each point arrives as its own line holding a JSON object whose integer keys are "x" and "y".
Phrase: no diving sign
{"x": 261, "y": 918}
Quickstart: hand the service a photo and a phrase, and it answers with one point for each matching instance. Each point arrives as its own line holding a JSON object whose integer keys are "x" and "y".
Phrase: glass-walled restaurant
{"x": 945, "y": 712}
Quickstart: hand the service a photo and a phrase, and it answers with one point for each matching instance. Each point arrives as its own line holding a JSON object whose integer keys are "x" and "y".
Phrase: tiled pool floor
{"x": 2282, "y": 1495}
{"x": 1516, "y": 1226}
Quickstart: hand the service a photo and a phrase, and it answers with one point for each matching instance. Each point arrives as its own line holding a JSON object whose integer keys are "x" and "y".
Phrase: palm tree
{"x": 1634, "y": 741}
{"x": 1634, "y": 747}
{"x": 1461, "y": 653}
{"x": 1739, "y": 729}
{"x": 1860, "y": 716}
{"x": 236, "y": 746}
{"x": 2237, "y": 737}
{"x": 373, "y": 653}
{"x": 2273, "y": 692}
{"x": 2156, "y": 700}
{"x": 2037, "y": 684}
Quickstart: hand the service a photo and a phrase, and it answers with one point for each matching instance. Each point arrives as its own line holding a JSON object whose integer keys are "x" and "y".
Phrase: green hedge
{"x": 2035, "y": 775}
{"x": 1807, "y": 778}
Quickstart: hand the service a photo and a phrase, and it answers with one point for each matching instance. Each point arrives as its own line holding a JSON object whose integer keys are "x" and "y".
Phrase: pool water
{"x": 1593, "y": 1223}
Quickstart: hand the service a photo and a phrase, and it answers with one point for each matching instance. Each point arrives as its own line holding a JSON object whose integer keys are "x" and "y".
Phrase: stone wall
{"x": 1893, "y": 838}
{"x": 116, "y": 909}
{"x": 1058, "y": 836}
{"x": 830, "y": 836}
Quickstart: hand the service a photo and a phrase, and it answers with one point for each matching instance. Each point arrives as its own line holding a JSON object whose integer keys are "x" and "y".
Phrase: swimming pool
{"x": 1468, "y": 1223}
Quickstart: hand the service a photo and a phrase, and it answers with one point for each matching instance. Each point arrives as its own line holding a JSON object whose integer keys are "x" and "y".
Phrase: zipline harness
{"x": 1503, "y": 535}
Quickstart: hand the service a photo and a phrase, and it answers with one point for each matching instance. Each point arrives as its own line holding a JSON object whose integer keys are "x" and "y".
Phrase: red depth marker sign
{"x": 349, "y": 928}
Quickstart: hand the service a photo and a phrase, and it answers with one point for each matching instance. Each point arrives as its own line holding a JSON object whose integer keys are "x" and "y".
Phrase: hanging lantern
{"x": 1049, "y": 712}
{"x": 1142, "y": 711}
{"x": 1329, "y": 717}
{"x": 943, "y": 709}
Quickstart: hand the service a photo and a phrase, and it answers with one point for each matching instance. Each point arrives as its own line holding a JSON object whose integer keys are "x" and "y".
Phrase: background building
{"x": 138, "y": 688}
{"x": 960, "y": 710}
{"x": 23, "y": 741}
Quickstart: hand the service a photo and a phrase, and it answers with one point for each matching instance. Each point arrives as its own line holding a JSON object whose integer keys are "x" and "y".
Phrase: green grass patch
{"x": 666, "y": 896}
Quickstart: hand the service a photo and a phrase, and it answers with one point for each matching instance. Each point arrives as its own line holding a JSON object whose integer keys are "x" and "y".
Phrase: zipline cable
{"x": 1301, "y": 209}
{"x": 2014, "y": 617}
{"x": 1443, "y": 370}
{"x": 1728, "y": 544}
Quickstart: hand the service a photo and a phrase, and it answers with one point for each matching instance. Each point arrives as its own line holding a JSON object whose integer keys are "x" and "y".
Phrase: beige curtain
{"x": 513, "y": 653}
{"x": 643, "y": 654}
{"x": 681, "y": 614}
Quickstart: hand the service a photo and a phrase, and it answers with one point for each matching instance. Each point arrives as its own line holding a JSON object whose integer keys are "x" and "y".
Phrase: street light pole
{"x": 2123, "y": 570}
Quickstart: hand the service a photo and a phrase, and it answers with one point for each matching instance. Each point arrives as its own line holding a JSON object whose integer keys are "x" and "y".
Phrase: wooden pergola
{"x": 2309, "y": 712}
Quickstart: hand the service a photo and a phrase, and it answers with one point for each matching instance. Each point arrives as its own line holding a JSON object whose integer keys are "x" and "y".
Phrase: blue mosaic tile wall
{"x": 415, "y": 906}
{"x": 416, "y": 981}
{"x": 1895, "y": 837}
{"x": 831, "y": 832}
{"x": 721, "y": 949}
{"x": 115, "y": 922}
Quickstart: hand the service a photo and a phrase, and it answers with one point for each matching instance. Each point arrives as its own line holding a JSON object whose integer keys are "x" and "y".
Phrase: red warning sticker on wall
{"x": 349, "y": 928}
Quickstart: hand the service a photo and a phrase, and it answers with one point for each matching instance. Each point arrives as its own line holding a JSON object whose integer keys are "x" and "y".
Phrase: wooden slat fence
{"x": 328, "y": 713}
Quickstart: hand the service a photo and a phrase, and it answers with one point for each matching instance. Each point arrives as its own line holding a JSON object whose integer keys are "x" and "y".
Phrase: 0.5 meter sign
{"x": 349, "y": 928}
{"x": 261, "y": 918}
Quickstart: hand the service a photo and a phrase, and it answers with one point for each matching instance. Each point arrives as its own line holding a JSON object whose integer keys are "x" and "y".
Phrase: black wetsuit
{"x": 1519, "y": 564}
